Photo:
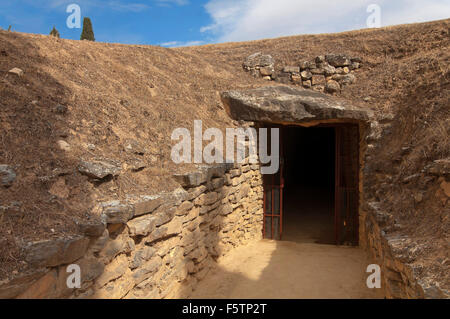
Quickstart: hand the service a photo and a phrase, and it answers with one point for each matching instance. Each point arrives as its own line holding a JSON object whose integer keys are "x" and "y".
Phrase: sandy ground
{"x": 288, "y": 270}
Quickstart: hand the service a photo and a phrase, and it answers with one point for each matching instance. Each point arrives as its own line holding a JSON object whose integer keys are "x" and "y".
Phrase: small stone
{"x": 306, "y": 75}
{"x": 8, "y": 175}
{"x": 318, "y": 80}
{"x": 61, "y": 109}
{"x": 305, "y": 65}
{"x": 329, "y": 70}
{"x": 133, "y": 146}
{"x": 16, "y": 71}
{"x": 63, "y": 145}
{"x": 99, "y": 169}
{"x": 307, "y": 84}
{"x": 317, "y": 71}
{"x": 319, "y": 88}
{"x": 117, "y": 214}
{"x": 339, "y": 70}
{"x": 258, "y": 60}
{"x": 93, "y": 228}
{"x": 296, "y": 79}
{"x": 346, "y": 70}
{"x": 337, "y": 60}
{"x": 332, "y": 86}
{"x": 320, "y": 59}
{"x": 355, "y": 65}
{"x": 267, "y": 78}
{"x": 348, "y": 79}
{"x": 266, "y": 71}
{"x": 50, "y": 253}
{"x": 291, "y": 69}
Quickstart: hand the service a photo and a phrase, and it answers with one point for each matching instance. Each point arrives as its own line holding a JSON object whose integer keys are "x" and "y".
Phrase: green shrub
{"x": 88, "y": 32}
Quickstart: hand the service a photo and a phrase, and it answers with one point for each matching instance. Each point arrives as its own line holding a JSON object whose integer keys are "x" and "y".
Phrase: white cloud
{"x": 240, "y": 20}
{"x": 176, "y": 44}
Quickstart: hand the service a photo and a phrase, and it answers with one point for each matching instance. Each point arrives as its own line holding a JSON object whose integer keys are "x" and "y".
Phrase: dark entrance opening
{"x": 309, "y": 180}
{"x": 314, "y": 196}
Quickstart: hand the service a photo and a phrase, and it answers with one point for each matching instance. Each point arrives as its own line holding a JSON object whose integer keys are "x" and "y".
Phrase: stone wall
{"x": 394, "y": 252}
{"x": 155, "y": 246}
{"x": 325, "y": 73}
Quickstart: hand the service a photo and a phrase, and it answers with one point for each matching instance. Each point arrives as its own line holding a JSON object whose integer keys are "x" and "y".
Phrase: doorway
{"x": 314, "y": 196}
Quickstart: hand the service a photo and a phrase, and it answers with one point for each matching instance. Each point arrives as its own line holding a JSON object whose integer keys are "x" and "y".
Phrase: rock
{"x": 54, "y": 252}
{"x": 164, "y": 214}
{"x": 142, "y": 226}
{"x": 92, "y": 228}
{"x": 305, "y": 65}
{"x": 320, "y": 59}
{"x": 133, "y": 146}
{"x": 19, "y": 284}
{"x": 317, "y": 71}
{"x": 346, "y": 70}
{"x": 318, "y": 80}
{"x": 63, "y": 145}
{"x": 16, "y": 71}
{"x": 340, "y": 71}
{"x": 61, "y": 109}
{"x": 267, "y": 78}
{"x": 329, "y": 70}
{"x": 191, "y": 179}
{"x": 113, "y": 270}
{"x": 288, "y": 104}
{"x": 91, "y": 268}
{"x": 99, "y": 169}
{"x": 332, "y": 86}
{"x": 7, "y": 175}
{"x": 296, "y": 79}
{"x": 117, "y": 214}
{"x": 354, "y": 66}
{"x": 307, "y": 84}
{"x": 306, "y": 75}
{"x": 147, "y": 204}
{"x": 139, "y": 256}
{"x": 266, "y": 71}
{"x": 338, "y": 60}
{"x": 291, "y": 69}
{"x": 146, "y": 270}
{"x": 348, "y": 79}
{"x": 258, "y": 60}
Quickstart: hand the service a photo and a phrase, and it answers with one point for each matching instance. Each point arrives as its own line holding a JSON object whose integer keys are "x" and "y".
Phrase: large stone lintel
{"x": 285, "y": 104}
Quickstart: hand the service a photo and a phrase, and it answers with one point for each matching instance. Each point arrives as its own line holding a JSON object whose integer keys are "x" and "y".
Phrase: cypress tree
{"x": 88, "y": 32}
{"x": 54, "y": 32}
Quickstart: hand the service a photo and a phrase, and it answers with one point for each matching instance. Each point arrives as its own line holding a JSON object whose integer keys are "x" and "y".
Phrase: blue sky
{"x": 191, "y": 22}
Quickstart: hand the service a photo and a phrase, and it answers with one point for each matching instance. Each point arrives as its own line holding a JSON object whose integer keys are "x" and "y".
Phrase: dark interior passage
{"x": 309, "y": 175}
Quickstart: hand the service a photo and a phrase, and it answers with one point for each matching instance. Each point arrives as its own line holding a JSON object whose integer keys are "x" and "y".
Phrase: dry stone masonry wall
{"x": 326, "y": 73}
{"x": 156, "y": 246}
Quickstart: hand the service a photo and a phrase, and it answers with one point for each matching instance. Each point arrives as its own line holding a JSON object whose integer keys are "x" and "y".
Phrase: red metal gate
{"x": 347, "y": 185}
{"x": 273, "y": 199}
{"x": 346, "y": 189}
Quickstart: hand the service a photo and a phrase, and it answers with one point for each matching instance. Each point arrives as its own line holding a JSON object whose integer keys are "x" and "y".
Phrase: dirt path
{"x": 270, "y": 269}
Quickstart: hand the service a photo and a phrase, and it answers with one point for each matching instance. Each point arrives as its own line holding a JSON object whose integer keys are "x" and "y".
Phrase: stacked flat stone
{"x": 327, "y": 73}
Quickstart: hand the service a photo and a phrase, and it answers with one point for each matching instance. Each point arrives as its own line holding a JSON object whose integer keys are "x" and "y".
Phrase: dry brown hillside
{"x": 97, "y": 96}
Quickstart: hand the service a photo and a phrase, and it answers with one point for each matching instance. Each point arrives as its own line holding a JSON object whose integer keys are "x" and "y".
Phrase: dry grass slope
{"x": 118, "y": 92}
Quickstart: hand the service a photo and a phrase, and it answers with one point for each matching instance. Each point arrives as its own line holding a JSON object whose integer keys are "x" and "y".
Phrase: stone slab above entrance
{"x": 285, "y": 104}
